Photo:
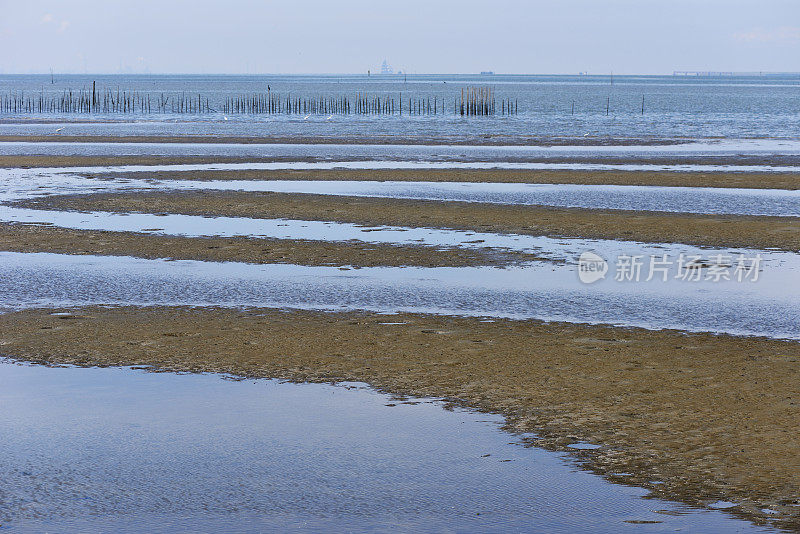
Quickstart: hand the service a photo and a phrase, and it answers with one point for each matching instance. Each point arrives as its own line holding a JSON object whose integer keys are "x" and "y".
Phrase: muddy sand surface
{"x": 693, "y": 417}
{"x": 758, "y": 232}
{"x": 755, "y": 180}
{"x": 18, "y": 237}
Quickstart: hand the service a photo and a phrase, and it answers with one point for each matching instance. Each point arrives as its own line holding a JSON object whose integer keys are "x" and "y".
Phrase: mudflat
{"x": 16, "y": 237}
{"x": 693, "y": 417}
{"x": 752, "y": 180}
{"x": 760, "y": 232}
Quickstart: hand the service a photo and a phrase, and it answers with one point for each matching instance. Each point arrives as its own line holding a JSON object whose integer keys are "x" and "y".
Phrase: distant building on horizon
{"x": 386, "y": 68}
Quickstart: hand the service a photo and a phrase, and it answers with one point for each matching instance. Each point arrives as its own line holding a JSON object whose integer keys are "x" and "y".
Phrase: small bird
{"x": 58, "y": 130}
{"x": 306, "y": 117}
{"x": 329, "y": 117}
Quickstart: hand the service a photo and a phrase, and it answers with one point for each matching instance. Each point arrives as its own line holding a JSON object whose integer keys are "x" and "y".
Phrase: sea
{"x": 549, "y": 109}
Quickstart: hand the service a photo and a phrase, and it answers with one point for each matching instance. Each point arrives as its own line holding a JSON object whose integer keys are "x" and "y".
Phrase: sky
{"x": 416, "y": 36}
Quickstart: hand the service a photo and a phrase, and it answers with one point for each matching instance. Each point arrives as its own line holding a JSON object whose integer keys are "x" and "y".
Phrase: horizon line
{"x": 679, "y": 73}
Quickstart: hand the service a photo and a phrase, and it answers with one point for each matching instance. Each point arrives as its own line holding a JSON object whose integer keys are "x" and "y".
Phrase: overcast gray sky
{"x": 420, "y": 36}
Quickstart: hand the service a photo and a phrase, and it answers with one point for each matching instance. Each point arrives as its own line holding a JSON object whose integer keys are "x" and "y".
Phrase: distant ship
{"x": 487, "y": 72}
{"x": 386, "y": 68}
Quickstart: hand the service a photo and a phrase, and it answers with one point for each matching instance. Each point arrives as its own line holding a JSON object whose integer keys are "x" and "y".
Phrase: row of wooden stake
{"x": 474, "y": 101}
{"x": 105, "y": 101}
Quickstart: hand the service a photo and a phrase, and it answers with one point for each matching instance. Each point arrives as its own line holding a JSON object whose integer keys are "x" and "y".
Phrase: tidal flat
{"x": 21, "y": 237}
{"x": 696, "y": 418}
{"x": 136, "y": 255}
{"x": 749, "y": 231}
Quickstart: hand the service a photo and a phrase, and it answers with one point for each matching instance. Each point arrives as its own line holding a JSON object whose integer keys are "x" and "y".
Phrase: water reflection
{"x": 128, "y": 451}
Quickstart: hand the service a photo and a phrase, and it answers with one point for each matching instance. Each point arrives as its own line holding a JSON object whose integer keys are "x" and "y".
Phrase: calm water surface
{"x": 675, "y": 107}
{"x": 768, "y": 307}
{"x": 127, "y": 451}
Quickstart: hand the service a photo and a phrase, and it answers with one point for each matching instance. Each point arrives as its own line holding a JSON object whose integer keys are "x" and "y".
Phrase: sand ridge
{"x": 759, "y": 232}
{"x": 19, "y": 237}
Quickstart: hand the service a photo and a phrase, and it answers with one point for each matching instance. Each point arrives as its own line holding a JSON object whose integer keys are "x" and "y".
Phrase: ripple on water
{"x": 129, "y": 451}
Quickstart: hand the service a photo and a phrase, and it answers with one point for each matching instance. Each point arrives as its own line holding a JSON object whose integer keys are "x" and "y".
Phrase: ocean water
{"x": 551, "y": 108}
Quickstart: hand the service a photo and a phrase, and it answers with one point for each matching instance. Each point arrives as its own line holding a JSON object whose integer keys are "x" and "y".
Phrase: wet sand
{"x": 758, "y": 232}
{"x": 693, "y": 417}
{"x": 18, "y": 237}
{"x": 752, "y": 180}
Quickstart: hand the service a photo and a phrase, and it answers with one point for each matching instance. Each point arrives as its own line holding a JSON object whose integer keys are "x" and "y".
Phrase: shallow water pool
{"x": 768, "y": 307}
{"x": 128, "y": 451}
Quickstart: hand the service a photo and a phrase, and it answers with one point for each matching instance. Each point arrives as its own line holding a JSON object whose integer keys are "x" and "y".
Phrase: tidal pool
{"x": 708, "y": 200}
{"x": 561, "y": 249}
{"x": 768, "y": 307}
{"x": 26, "y": 183}
{"x": 123, "y": 450}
